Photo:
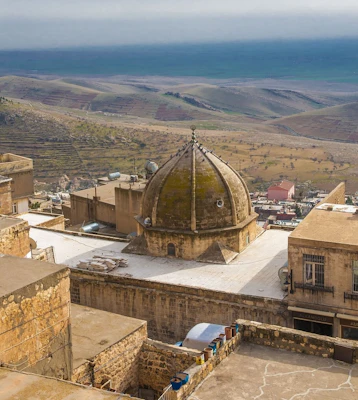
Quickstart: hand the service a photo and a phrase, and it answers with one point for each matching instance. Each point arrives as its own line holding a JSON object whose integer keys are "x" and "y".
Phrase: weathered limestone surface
{"x": 5, "y": 197}
{"x": 14, "y": 239}
{"x": 159, "y": 362}
{"x": 293, "y": 340}
{"x": 171, "y": 310}
{"x": 197, "y": 373}
{"x": 35, "y": 327}
{"x": 117, "y": 365}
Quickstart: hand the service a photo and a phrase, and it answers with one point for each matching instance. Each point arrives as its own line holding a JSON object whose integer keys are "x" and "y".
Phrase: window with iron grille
{"x": 313, "y": 269}
{"x": 355, "y": 276}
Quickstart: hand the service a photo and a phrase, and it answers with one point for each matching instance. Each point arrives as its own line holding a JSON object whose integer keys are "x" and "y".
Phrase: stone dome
{"x": 195, "y": 190}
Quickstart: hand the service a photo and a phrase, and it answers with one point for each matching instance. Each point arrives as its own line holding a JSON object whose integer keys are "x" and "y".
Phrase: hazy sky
{"x": 63, "y": 23}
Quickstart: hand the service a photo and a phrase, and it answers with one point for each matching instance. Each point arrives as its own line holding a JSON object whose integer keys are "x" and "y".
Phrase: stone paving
{"x": 257, "y": 372}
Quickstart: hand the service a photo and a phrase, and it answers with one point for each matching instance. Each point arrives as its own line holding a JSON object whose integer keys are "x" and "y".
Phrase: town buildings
{"x": 21, "y": 172}
{"x": 113, "y": 203}
{"x": 323, "y": 268}
{"x": 285, "y": 190}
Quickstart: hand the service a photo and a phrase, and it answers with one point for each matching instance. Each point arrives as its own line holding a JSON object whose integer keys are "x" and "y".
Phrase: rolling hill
{"x": 338, "y": 123}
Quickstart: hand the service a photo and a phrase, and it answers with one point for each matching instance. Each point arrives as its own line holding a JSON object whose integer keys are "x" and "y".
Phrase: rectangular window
{"x": 355, "y": 275}
{"x": 314, "y": 270}
{"x": 14, "y": 208}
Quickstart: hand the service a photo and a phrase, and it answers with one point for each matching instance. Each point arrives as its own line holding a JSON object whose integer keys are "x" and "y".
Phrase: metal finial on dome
{"x": 193, "y": 136}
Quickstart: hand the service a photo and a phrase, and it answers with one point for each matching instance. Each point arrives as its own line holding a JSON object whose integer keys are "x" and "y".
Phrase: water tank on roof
{"x": 151, "y": 167}
{"x": 90, "y": 228}
{"x": 114, "y": 175}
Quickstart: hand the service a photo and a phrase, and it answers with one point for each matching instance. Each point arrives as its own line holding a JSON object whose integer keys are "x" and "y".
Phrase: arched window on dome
{"x": 171, "y": 249}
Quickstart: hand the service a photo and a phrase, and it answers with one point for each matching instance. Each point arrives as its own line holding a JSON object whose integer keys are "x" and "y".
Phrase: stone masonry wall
{"x": 55, "y": 223}
{"x": 336, "y": 196}
{"x": 171, "y": 310}
{"x": 5, "y": 198}
{"x": 197, "y": 373}
{"x": 118, "y": 364}
{"x": 35, "y": 327}
{"x": 14, "y": 240}
{"x": 293, "y": 340}
{"x": 159, "y": 362}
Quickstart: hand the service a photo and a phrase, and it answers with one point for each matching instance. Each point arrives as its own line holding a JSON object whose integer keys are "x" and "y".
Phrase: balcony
{"x": 350, "y": 296}
{"x": 313, "y": 288}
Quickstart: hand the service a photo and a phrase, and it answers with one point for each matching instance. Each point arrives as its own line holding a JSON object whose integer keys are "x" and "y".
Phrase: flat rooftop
{"x": 94, "y": 330}
{"x": 36, "y": 219}
{"x": 7, "y": 222}
{"x": 18, "y": 385}
{"x": 254, "y": 272}
{"x": 17, "y": 272}
{"x": 330, "y": 223}
{"x": 106, "y": 192}
{"x": 259, "y": 372}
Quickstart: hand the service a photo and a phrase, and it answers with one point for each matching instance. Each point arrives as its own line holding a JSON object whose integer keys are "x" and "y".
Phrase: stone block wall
{"x": 197, "y": 373}
{"x": 159, "y": 362}
{"x": 117, "y": 365}
{"x": 57, "y": 223}
{"x": 14, "y": 240}
{"x": 293, "y": 340}
{"x": 336, "y": 196}
{"x": 5, "y": 198}
{"x": 35, "y": 327}
{"x": 171, "y": 310}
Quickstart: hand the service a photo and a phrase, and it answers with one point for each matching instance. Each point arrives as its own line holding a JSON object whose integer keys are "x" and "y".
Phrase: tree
{"x": 298, "y": 211}
{"x": 349, "y": 201}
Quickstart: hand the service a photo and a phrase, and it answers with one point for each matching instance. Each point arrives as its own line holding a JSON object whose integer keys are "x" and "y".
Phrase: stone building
{"x": 20, "y": 170}
{"x": 14, "y": 236}
{"x": 285, "y": 190}
{"x": 113, "y": 203}
{"x": 323, "y": 267}
{"x": 196, "y": 206}
{"x": 35, "y": 317}
{"x": 5, "y": 195}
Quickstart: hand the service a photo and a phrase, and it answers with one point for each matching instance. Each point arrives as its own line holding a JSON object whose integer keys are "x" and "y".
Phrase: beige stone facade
{"x": 128, "y": 200}
{"x": 171, "y": 310}
{"x": 108, "y": 357}
{"x": 114, "y": 203}
{"x": 34, "y": 317}
{"x": 5, "y": 196}
{"x": 189, "y": 245}
{"x": 20, "y": 170}
{"x": 322, "y": 259}
{"x": 14, "y": 236}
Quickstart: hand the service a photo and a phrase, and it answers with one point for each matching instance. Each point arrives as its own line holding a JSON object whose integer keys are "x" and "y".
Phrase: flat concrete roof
{"x": 6, "y": 222}
{"x": 94, "y": 331}
{"x": 338, "y": 226}
{"x": 17, "y": 385}
{"x": 36, "y": 219}
{"x": 17, "y": 272}
{"x": 254, "y": 272}
{"x": 107, "y": 192}
{"x": 259, "y": 372}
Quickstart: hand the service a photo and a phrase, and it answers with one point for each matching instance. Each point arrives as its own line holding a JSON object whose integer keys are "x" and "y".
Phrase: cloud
{"x": 139, "y": 9}
{"x": 67, "y": 23}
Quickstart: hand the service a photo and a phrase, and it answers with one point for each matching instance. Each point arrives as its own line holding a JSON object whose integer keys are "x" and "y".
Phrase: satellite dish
{"x": 33, "y": 244}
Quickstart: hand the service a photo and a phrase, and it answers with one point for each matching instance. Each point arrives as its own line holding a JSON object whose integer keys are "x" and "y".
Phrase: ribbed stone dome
{"x": 195, "y": 190}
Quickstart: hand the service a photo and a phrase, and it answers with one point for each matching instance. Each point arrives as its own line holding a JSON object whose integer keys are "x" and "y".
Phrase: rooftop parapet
{"x": 12, "y": 163}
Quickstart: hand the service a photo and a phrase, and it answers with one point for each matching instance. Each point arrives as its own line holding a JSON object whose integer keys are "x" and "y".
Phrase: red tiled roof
{"x": 286, "y": 185}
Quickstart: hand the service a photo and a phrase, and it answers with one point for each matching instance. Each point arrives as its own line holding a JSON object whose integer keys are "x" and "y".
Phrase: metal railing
{"x": 165, "y": 395}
